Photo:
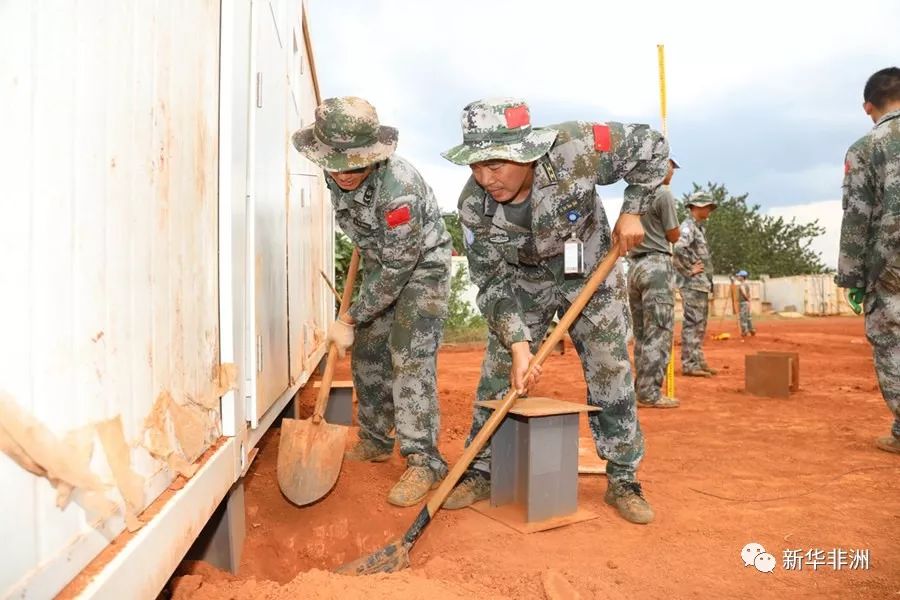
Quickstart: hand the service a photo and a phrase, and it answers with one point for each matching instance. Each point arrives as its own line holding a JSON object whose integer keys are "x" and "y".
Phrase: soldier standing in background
{"x": 693, "y": 264}
{"x": 869, "y": 261}
{"x": 744, "y": 304}
{"x": 530, "y": 203}
{"x": 651, "y": 296}
{"x": 396, "y": 323}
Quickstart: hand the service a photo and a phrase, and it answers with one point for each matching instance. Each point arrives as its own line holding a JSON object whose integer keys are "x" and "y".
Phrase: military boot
{"x": 696, "y": 373}
{"x": 368, "y": 451}
{"x": 628, "y": 499}
{"x": 661, "y": 402}
{"x": 888, "y": 443}
{"x": 475, "y": 485}
{"x": 413, "y": 486}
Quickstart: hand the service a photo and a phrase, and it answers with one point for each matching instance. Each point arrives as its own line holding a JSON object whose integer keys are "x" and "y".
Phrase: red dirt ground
{"x": 722, "y": 470}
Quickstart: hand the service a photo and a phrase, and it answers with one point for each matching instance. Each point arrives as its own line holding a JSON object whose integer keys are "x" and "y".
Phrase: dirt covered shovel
{"x": 395, "y": 556}
{"x": 311, "y": 451}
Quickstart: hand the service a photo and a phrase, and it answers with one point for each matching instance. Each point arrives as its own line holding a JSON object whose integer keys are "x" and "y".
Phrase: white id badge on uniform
{"x": 573, "y": 257}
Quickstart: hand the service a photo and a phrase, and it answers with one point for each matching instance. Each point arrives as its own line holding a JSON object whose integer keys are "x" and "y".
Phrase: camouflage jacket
{"x": 870, "y": 231}
{"x": 394, "y": 220}
{"x": 564, "y": 202}
{"x": 690, "y": 248}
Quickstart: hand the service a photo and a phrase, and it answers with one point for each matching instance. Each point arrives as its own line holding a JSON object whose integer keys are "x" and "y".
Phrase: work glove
{"x": 855, "y": 298}
{"x": 341, "y": 335}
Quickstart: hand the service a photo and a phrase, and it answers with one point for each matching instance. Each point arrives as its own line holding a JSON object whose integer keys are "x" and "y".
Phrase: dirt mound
{"x": 207, "y": 583}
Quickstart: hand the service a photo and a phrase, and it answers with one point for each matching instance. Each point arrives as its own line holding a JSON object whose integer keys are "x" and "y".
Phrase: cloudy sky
{"x": 764, "y": 97}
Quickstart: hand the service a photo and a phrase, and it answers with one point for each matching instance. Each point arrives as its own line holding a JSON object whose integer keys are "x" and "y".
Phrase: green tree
{"x": 343, "y": 251}
{"x": 740, "y": 237}
{"x": 460, "y": 314}
{"x": 454, "y": 227}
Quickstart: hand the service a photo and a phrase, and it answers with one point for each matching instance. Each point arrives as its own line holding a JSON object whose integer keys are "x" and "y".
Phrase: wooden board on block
{"x": 513, "y": 516}
{"x": 540, "y": 407}
{"x": 335, "y": 384}
{"x": 588, "y": 461}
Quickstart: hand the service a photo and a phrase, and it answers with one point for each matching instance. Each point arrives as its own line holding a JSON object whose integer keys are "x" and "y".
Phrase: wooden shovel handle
{"x": 331, "y": 361}
{"x": 601, "y": 272}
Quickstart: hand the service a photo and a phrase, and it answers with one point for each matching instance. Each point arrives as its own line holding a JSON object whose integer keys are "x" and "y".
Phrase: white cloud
{"x": 816, "y": 181}
{"x": 829, "y": 215}
{"x": 600, "y": 53}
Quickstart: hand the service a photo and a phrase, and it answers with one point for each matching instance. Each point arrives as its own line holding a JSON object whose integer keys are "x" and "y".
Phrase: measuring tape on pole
{"x": 661, "y": 59}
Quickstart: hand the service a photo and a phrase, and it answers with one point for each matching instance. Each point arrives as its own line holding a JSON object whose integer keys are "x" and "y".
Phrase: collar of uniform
{"x": 364, "y": 194}
{"x": 891, "y": 115}
{"x": 545, "y": 173}
{"x": 490, "y": 205}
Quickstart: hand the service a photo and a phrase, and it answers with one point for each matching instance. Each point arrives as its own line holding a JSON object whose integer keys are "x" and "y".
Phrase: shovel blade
{"x": 393, "y": 557}
{"x": 309, "y": 459}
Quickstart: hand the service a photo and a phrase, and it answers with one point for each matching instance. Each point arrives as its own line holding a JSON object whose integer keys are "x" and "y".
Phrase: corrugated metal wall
{"x": 109, "y": 233}
{"x": 109, "y": 242}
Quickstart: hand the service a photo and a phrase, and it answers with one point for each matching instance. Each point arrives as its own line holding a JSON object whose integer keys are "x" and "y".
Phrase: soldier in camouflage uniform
{"x": 395, "y": 325}
{"x": 869, "y": 261}
{"x": 651, "y": 296}
{"x": 744, "y": 304}
{"x": 693, "y": 266}
{"x": 531, "y": 191}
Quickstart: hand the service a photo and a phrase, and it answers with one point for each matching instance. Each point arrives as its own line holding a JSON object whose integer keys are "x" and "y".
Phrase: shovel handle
{"x": 601, "y": 272}
{"x": 331, "y": 361}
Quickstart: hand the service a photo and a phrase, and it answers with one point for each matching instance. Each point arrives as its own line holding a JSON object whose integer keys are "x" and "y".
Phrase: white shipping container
{"x": 161, "y": 243}
{"x": 807, "y": 294}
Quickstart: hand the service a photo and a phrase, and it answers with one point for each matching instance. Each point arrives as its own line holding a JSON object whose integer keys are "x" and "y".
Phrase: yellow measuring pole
{"x": 661, "y": 55}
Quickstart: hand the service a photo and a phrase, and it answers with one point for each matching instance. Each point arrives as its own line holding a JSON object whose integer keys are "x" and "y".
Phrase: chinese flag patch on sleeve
{"x": 398, "y": 216}
{"x": 846, "y": 166}
{"x": 602, "y": 142}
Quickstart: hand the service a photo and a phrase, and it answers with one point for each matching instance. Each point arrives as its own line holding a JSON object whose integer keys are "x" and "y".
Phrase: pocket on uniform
{"x": 889, "y": 279}
{"x": 428, "y": 330}
{"x": 663, "y": 314}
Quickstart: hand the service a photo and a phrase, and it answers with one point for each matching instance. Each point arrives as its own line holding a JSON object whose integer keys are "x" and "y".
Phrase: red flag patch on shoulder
{"x": 602, "y": 143}
{"x": 398, "y": 216}
{"x": 517, "y": 116}
{"x": 846, "y": 167}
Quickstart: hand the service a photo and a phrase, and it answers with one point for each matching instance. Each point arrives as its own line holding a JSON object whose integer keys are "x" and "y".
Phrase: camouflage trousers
{"x": 745, "y": 320}
{"x": 696, "y": 313}
{"x": 651, "y": 280}
{"x": 882, "y": 306}
{"x": 599, "y": 337}
{"x": 394, "y": 365}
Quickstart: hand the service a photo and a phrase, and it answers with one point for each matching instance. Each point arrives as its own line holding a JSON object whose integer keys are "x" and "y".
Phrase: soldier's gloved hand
{"x": 855, "y": 298}
{"x": 521, "y": 357}
{"x": 341, "y": 335}
{"x": 627, "y": 233}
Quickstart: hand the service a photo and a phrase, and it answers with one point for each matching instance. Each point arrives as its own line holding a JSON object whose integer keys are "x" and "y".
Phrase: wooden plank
{"x": 513, "y": 516}
{"x": 540, "y": 407}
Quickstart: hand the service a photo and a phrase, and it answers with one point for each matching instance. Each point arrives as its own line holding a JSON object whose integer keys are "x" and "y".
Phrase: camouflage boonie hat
{"x": 345, "y": 136}
{"x": 700, "y": 199}
{"x": 499, "y": 129}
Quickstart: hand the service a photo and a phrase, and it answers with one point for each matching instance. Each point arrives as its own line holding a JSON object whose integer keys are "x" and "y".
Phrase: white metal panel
{"x": 111, "y": 220}
{"x": 270, "y": 199}
{"x": 18, "y": 509}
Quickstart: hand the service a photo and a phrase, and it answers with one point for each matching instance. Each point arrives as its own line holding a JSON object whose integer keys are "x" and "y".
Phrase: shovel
{"x": 395, "y": 556}
{"x": 311, "y": 451}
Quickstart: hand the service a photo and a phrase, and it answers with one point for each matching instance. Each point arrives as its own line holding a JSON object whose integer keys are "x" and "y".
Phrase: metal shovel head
{"x": 309, "y": 458}
{"x": 393, "y": 557}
